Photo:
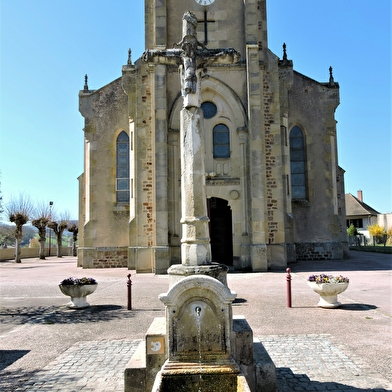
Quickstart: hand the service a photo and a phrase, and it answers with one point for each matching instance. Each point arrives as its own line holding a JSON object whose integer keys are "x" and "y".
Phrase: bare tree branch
{"x": 58, "y": 226}
{"x": 19, "y": 211}
{"x": 41, "y": 218}
{"x": 74, "y": 229}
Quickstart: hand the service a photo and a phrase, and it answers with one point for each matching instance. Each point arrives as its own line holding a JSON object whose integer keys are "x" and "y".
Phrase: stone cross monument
{"x": 193, "y": 57}
{"x": 198, "y": 346}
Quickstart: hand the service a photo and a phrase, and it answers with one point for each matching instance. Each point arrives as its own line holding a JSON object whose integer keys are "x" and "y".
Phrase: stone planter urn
{"x": 78, "y": 291}
{"x": 328, "y": 287}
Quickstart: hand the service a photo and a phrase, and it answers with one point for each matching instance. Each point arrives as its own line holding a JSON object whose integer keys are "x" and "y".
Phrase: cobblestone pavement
{"x": 310, "y": 362}
{"x": 86, "y": 366}
{"x": 303, "y": 363}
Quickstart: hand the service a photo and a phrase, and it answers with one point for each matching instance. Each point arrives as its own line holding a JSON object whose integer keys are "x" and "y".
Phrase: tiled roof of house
{"x": 356, "y": 207}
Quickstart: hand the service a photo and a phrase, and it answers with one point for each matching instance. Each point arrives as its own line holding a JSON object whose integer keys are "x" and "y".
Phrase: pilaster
{"x": 161, "y": 158}
{"x": 256, "y": 23}
{"x": 256, "y": 146}
{"x": 155, "y": 24}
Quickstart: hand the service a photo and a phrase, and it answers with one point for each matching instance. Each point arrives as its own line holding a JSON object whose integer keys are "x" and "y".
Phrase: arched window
{"x": 297, "y": 164}
{"x": 122, "y": 168}
{"x": 221, "y": 141}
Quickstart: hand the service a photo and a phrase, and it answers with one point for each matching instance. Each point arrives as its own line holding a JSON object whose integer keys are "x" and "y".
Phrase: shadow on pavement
{"x": 8, "y": 357}
{"x": 12, "y": 380}
{"x": 63, "y": 315}
{"x": 239, "y": 301}
{"x": 355, "y": 306}
{"x": 287, "y": 381}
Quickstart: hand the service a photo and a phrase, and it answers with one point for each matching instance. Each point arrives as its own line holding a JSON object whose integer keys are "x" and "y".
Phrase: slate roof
{"x": 355, "y": 207}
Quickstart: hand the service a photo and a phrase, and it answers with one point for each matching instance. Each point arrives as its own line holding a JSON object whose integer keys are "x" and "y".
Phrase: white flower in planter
{"x": 328, "y": 287}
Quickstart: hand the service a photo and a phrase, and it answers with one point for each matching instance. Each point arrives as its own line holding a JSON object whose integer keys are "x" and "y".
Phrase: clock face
{"x": 204, "y": 2}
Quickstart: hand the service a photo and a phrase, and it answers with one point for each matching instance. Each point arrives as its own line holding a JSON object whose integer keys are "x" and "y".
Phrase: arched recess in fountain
{"x": 199, "y": 319}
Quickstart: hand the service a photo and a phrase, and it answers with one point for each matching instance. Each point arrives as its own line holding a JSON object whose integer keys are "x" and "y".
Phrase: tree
{"x": 42, "y": 217}
{"x": 1, "y": 199}
{"x": 352, "y": 231}
{"x": 29, "y": 232}
{"x": 58, "y": 226}
{"x": 379, "y": 234}
{"x": 7, "y": 236}
{"x": 34, "y": 243}
{"x": 73, "y": 228}
{"x": 19, "y": 210}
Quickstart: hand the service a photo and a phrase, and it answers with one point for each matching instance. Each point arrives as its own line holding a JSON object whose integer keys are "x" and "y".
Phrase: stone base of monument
{"x": 253, "y": 371}
{"x": 178, "y": 272}
{"x": 199, "y": 346}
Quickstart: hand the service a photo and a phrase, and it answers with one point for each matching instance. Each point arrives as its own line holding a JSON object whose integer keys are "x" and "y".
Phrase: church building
{"x": 274, "y": 189}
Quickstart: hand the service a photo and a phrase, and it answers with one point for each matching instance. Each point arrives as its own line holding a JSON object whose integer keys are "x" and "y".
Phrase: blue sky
{"x": 48, "y": 46}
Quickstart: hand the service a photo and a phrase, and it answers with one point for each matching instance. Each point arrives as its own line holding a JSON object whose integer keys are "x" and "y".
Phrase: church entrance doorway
{"x": 221, "y": 235}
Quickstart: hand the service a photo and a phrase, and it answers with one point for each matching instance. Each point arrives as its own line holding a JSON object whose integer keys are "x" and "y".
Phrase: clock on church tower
{"x": 204, "y": 2}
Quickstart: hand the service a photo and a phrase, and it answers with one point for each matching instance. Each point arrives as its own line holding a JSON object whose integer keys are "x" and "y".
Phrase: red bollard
{"x": 129, "y": 286}
{"x": 288, "y": 286}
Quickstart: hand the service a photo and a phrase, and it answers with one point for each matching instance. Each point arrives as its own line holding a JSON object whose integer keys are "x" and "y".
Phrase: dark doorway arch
{"x": 221, "y": 234}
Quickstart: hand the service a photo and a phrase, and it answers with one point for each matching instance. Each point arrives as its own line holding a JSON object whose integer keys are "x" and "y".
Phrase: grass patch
{"x": 375, "y": 249}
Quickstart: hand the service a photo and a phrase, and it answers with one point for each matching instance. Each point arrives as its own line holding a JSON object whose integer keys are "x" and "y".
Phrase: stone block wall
{"x": 32, "y": 253}
{"x": 319, "y": 250}
{"x": 108, "y": 258}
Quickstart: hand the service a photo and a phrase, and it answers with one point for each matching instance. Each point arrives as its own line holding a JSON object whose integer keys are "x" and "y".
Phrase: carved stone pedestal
{"x": 200, "y": 346}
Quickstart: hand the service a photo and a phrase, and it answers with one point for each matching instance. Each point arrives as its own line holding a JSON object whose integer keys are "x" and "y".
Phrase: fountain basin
{"x": 195, "y": 377}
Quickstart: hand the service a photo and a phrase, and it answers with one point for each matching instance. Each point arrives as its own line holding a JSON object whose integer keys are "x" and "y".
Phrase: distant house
{"x": 359, "y": 213}
{"x": 361, "y": 216}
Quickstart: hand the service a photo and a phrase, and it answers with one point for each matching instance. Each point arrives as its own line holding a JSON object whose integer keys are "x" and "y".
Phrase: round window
{"x": 209, "y": 109}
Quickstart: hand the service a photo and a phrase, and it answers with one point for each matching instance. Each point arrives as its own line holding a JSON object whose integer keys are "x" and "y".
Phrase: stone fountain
{"x": 199, "y": 346}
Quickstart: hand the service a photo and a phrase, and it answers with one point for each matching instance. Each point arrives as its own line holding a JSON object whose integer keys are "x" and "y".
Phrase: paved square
{"x": 86, "y": 366}
{"x": 303, "y": 363}
{"x": 310, "y": 362}
{"x": 44, "y": 346}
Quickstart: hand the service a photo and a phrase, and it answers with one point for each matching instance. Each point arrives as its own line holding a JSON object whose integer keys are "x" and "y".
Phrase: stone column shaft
{"x": 195, "y": 242}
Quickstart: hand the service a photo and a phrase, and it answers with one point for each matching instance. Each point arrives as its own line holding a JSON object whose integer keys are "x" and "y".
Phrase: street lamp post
{"x": 50, "y": 230}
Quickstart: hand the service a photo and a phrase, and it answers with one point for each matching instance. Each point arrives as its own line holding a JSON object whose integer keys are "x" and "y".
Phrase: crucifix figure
{"x": 192, "y": 57}
{"x": 189, "y": 45}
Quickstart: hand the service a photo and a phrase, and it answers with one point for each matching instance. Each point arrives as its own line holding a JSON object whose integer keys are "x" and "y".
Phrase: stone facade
{"x": 256, "y": 223}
